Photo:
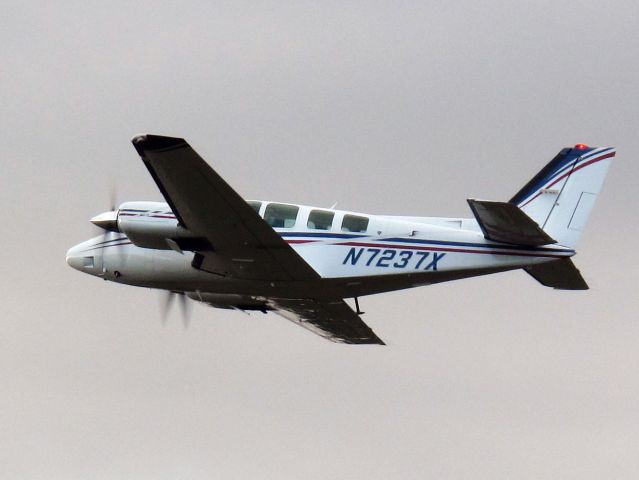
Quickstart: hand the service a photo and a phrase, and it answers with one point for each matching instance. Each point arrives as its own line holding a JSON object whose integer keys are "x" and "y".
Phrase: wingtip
{"x": 372, "y": 340}
{"x": 143, "y": 142}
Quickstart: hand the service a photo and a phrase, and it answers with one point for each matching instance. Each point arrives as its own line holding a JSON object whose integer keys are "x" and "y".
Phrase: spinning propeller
{"x": 108, "y": 220}
{"x": 184, "y": 307}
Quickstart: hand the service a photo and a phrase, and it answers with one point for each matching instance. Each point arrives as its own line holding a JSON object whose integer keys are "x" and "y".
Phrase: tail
{"x": 552, "y": 208}
{"x": 561, "y": 196}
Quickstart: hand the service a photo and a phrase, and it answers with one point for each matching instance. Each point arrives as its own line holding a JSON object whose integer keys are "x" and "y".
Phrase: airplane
{"x": 208, "y": 244}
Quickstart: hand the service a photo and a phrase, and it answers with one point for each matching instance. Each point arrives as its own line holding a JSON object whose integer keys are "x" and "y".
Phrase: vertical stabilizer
{"x": 561, "y": 196}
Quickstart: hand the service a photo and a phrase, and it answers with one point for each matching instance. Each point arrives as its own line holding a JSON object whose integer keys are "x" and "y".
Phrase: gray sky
{"x": 393, "y": 108}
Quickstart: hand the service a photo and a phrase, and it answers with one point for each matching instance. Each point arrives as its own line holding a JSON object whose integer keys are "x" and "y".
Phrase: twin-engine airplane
{"x": 302, "y": 262}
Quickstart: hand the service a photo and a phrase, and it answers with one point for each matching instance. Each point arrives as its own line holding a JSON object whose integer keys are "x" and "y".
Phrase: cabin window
{"x": 354, "y": 223}
{"x": 278, "y": 215}
{"x": 255, "y": 205}
{"x": 320, "y": 219}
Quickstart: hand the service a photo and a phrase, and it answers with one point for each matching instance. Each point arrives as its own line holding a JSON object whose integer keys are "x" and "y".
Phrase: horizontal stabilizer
{"x": 560, "y": 274}
{"x": 505, "y": 222}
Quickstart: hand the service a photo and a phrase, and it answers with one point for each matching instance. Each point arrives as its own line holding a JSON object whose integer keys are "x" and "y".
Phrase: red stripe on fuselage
{"x": 433, "y": 249}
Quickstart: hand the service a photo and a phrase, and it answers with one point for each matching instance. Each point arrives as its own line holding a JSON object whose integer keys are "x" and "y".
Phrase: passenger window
{"x": 255, "y": 205}
{"x": 320, "y": 219}
{"x": 278, "y": 215}
{"x": 353, "y": 223}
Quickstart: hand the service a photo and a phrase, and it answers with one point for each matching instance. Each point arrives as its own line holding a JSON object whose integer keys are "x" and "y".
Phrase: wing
{"x": 333, "y": 320}
{"x": 234, "y": 240}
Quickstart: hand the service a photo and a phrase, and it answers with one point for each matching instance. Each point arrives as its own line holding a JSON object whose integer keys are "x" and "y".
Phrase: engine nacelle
{"x": 153, "y": 225}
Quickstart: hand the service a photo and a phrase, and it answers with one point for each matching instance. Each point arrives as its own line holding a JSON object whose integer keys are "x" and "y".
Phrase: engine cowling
{"x": 153, "y": 225}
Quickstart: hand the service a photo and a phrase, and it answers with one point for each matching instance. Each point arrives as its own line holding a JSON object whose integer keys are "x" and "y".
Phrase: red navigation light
{"x": 581, "y": 146}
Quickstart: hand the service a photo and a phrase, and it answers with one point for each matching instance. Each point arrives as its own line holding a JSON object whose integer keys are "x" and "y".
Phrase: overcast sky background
{"x": 386, "y": 107}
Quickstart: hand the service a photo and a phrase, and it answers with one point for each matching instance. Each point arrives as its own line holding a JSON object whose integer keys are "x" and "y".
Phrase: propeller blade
{"x": 186, "y": 310}
{"x": 113, "y": 197}
{"x": 108, "y": 220}
{"x": 185, "y": 307}
{"x": 166, "y": 306}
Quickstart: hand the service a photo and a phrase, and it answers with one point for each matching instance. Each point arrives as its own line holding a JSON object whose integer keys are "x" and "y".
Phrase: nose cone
{"x": 75, "y": 257}
{"x": 86, "y": 257}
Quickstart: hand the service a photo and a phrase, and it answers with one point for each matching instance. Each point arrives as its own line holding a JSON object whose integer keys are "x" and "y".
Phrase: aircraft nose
{"x": 75, "y": 258}
{"x": 85, "y": 257}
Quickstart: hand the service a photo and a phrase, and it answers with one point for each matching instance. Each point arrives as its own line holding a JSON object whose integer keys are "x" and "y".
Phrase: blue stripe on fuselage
{"x": 424, "y": 242}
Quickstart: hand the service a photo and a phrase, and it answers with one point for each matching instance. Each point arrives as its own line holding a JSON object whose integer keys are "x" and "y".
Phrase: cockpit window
{"x": 354, "y": 223}
{"x": 255, "y": 205}
{"x": 278, "y": 215}
{"x": 320, "y": 219}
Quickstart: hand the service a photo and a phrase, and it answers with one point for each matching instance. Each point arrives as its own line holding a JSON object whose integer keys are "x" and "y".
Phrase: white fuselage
{"x": 351, "y": 249}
